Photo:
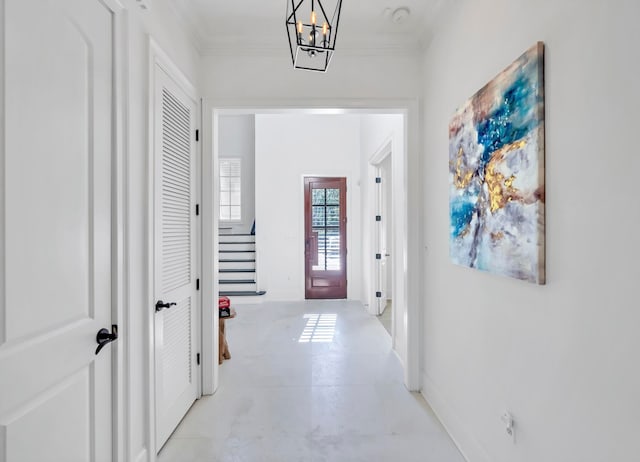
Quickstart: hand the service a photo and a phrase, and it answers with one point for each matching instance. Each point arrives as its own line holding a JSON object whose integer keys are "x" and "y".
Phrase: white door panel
{"x": 175, "y": 253}
{"x": 55, "y": 393}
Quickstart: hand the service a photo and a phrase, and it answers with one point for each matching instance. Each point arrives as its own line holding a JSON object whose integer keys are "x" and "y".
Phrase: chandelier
{"x": 312, "y": 37}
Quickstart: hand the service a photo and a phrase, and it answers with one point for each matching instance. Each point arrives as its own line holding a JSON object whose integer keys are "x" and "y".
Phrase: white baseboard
{"x": 470, "y": 448}
{"x": 142, "y": 457}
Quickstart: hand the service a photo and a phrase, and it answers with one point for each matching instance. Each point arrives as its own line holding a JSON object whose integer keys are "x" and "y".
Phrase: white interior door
{"x": 56, "y": 148}
{"x": 175, "y": 259}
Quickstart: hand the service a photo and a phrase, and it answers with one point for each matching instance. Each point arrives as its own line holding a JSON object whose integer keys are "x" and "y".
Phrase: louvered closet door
{"x": 175, "y": 254}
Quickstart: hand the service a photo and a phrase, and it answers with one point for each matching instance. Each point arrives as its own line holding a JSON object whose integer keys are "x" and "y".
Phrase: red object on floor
{"x": 224, "y": 302}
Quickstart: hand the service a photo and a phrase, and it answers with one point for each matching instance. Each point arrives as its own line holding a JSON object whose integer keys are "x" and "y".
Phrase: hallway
{"x": 309, "y": 381}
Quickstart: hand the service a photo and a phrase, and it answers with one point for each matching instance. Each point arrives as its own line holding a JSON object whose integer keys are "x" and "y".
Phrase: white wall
{"x": 257, "y": 76}
{"x": 563, "y": 357}
{"x": 288, "y": 148}
{"x": 237, "y": 139}
{"x": 159, "y": 23}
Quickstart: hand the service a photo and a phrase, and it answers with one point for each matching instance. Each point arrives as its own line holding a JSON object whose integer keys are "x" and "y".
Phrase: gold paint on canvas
{"x": 501, "y": 190}
{"x": 461, "y": 180}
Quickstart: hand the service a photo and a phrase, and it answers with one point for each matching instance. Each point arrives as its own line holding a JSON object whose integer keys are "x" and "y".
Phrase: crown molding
{"x": 208, "y": 45}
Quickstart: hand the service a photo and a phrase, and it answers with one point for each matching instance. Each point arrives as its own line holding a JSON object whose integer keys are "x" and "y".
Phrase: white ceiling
{"x": 260, "y": 24}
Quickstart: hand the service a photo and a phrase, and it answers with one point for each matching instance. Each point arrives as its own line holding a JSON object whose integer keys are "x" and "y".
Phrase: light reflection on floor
{"x": 320, "y": 328}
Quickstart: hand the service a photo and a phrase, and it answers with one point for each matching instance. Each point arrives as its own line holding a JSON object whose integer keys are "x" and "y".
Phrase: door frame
{"x": 121, "y": 314}
{"x": 158, "y": 57}
{"x": 408, "y": 265}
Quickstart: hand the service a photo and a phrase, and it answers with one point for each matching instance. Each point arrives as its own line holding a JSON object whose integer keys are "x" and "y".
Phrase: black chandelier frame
{"x": 312, "y": 54}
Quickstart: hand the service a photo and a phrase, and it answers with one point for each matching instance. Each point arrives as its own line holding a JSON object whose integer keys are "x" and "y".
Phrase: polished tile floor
{"x": 309, "y": 381}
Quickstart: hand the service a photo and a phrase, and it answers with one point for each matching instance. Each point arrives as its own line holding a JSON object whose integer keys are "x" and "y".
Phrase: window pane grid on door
{"x": 230, "y": 190}
{"x": 325, "y": 223}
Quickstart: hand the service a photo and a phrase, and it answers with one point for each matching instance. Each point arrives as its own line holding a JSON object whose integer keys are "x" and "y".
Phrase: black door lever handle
{"x": 160, "y": 305}
{"x": 104, "y": 337}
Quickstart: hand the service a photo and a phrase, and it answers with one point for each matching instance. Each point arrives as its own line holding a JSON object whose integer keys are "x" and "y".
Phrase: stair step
{"x": 242, "y": 293}
{"x": 237, "y": 275}
{"x": 237, "y": 256}
{"x": 237, "y": 265}
{"x": 232, "y": 286}
{"x": 237, "y": 247}
{"x": 237, "y": 281}
{"x": 228, "y": 238}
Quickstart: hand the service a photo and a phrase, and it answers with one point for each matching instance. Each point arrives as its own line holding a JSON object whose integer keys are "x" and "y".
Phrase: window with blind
{"x": 230, "y": 197}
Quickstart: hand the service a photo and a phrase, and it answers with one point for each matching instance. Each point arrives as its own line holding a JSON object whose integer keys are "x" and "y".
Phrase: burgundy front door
{"x": 325, "y": 210}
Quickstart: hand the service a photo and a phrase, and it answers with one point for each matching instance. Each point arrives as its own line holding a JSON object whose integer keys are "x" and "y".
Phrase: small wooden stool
{"x": 223, "y": 346}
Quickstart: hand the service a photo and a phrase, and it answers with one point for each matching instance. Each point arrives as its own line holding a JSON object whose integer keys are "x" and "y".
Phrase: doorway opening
{"x": 280, "y": 226}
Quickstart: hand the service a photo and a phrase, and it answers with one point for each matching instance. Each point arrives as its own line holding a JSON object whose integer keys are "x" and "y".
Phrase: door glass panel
{"x": 328, "y": 250}
{"x": 317, "y": 196}
{"x": 333, "y": 216}
{"x": 333, "y": 197}
{"x": 332, "y": 249}
{"x": 321, "y": 264}
{"x": 318, "y": 216}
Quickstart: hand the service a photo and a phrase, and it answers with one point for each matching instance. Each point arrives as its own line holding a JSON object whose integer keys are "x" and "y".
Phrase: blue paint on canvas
{"x": 461, "y": 214}
{"x": 511, "y": 120}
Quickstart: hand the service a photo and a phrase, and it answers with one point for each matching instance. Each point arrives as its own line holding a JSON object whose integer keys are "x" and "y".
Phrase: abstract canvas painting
{"x": 496, "y": 174}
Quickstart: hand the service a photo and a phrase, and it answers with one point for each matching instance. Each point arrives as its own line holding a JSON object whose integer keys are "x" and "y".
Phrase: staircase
{"x": 237, "y": 273}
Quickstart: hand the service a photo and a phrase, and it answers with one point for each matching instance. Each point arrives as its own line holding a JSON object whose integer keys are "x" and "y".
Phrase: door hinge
{"x": 378, "y": 217}
{"x": 197, "y": 209}
{"x": 378, "y": 179}
{"x": 378, "y": 294}
{"x": 198, "y": 284}
{"x": 198, "y": 359}
{"x": 378, "y": 256}
{"x": 197, "y": 135}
